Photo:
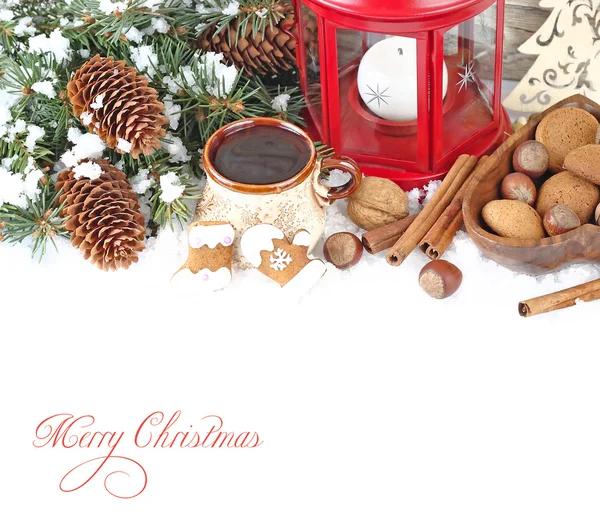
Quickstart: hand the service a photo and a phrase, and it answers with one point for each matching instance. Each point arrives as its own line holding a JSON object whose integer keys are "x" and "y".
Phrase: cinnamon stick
{"x": 440, "y": 236}
{"x": 433, "y": 209}
{"x": 384, "y": 237}
{"x": 560, "y": 300}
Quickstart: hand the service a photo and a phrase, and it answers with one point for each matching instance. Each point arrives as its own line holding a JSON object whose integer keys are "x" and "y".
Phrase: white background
{"x": 375, "y": 403}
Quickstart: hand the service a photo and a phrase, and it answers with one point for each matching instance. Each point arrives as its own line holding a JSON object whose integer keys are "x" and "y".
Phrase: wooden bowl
{"x": 527, "y": 256}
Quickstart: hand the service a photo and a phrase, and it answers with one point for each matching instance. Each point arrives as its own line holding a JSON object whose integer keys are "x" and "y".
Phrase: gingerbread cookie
{"x": 565, "y": 130}
{"x": 208, "y": 266}
{"x": 266, "y": 248}
{"x": 585, "y": 162}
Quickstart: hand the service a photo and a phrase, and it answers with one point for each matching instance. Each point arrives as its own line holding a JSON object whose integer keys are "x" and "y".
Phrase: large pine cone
{"x": 273, "y": 54}
{"x": 103, "y": 216}
{"x": 129, "y": 107}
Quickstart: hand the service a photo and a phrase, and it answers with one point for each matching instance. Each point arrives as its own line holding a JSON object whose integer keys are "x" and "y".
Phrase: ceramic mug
{"x": 291, "y": 205}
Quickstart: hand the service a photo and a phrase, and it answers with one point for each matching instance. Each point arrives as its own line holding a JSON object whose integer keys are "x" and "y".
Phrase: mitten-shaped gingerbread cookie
{"x": 266, "y": 248}
{"x": 208, "y": 266}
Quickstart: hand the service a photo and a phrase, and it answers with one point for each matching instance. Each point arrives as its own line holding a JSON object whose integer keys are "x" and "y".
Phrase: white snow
{"x": 141, "y": 182}
{"x": 221, "y": 77}
{"x": 336, "y": 178}
{"x": 174, "y": 145}
{"x": 88, "y": 146}
{"x": 415, "y": 197}
{"x": 491, "y": 415}
{"x": 231, "y": 9}
{"x": 11, "y": 188}
{"x": 86, "y": 118}
{"x": 73, "y": 134}
{"x": 6, "y": 15}
{"x": 123, "y": 145}
{"x": 134, "y": 34}
{"x": 45, "y": 87}
{"x": 153, "y": 5}
{"x": 89, "y": 170}
{"x": 171, "y": 187}
{"x": 430, "y": 189}
{"x": 30, "y": 184}
{"x": 34, "y": 133}
{"x": 262, "y": 13}
{"x": 145, "y": 59}
{"x": 55, "y": 44}
{"x": 172, "y": 111}
{"x": 97, "y": 103}
{"x": 24, "y": 26}
{"x": 84, "y": 53}
{"x": 280, "y": 102}
{"x": 108, "y": 7}
{"x": 160, "y": 25}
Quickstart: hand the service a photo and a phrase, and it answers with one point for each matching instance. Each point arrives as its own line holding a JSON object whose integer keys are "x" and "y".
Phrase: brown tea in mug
{"x": 262, "y": 155}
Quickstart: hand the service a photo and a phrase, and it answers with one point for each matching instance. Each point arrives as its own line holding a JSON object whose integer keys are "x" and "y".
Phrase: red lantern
{"x": 404, "y": 87}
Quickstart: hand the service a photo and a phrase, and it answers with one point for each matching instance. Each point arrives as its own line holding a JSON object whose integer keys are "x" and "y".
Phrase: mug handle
{"x": 345, "y": 164}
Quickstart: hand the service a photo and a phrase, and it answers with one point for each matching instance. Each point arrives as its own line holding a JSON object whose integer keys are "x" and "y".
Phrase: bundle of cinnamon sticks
{"x": 434, "y": 228}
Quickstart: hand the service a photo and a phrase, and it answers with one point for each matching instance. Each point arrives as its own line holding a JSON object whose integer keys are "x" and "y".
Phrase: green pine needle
{"x": 40, "y": 221}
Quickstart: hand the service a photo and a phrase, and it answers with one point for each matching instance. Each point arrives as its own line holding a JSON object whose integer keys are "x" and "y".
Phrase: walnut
{"x": 376, "y": 203}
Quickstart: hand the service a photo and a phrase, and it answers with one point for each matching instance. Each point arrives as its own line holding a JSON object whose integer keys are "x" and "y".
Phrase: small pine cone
{"x": 130, "y": 109}
{"x": 273, "y": 54}
{"x": 103, "y": 216}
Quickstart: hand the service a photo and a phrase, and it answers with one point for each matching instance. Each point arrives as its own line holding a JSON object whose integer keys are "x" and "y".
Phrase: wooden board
{"x": 522, "y": 19}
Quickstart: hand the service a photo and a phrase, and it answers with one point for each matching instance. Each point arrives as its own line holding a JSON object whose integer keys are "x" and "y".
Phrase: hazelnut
{"x": 560, "y": 219}
{"x": 343, "y": 249}
{"x": 596, "y": 216}
{"x": 531, "y": 158}
{"x": 518, "y": 186}
{"x": 440, "y": 279}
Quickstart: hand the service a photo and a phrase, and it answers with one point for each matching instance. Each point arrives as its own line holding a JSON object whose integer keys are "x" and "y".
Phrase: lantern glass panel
{"x": 470, "y": 56}
{"x": 378, "y": 95}
{"x": 310, "y": 28}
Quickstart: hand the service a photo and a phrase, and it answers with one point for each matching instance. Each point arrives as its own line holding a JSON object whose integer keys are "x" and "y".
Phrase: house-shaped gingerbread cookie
{"x": 210, "y": 253}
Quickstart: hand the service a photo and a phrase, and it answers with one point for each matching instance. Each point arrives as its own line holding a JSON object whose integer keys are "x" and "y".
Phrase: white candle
{"x": 387, "y": 79}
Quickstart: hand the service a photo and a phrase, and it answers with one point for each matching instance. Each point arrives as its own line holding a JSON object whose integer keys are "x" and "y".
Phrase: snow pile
{"x": 45, "y": 87}
{"x": 87, "y": 145}
{"x": 97, "y": 103}
{"x": 15, "y": 188}
{"x": 220, "y": 77}
{"x": 170, "y": 187}
{"x": 144, "y": 59}
{"x": 123, "y": 145}
{"x": 280, "y": 103}
{"x": 178, "y": 151}
{"x": 109, "y": 8}
{"x": 55, "y": 44}
{"x": 34, "y": 133}
{"x": 142, "y": 181}
{"x": 25, "y": 26}
{"x": 172, "y": 111}
{"x": 89, "y": 170}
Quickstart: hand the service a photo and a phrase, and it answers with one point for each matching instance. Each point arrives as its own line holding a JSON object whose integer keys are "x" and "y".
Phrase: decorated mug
{"x": 296, "y": 203}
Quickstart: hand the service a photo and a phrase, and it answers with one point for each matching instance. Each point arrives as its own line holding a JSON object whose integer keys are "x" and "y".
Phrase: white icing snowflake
{"x": 280, "y": 260}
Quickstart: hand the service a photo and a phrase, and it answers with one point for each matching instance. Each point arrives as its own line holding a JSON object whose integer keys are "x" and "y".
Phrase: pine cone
{"x": 273, "y": 54}
{"x": 103, "y": 216}
{"x": 129, "y": 108}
